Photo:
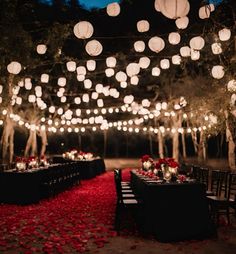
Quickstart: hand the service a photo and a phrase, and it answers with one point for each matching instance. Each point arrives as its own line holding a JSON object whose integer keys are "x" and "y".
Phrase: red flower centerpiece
{"x": 147, "y": 162}
{"x": 169, "y": 168}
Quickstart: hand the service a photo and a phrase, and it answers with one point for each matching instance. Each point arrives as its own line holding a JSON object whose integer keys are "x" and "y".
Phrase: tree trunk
{"x": 177, "y": 123}
{"x": 105, "y": 143}
{"x": 31, "y": 145}
{"x": 160, "y": 144}
{"x": 195, "y": 143}
{"x": 184, "y": 145}
{"x": 43, "y": 135}
{"x": 150, "y": 144}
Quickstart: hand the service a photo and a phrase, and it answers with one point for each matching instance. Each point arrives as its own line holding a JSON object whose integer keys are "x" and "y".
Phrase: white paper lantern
{"x": 128, "y": 99}
{"x": 105, "y": 90}
{"x": 111, "y": 62}
{"x": 156, "y": 71}
{"x": 14, "y": 68}
{"x": 143, "y": 26}
{"x": 61, "y": 81}
{"x": 185, "y": 51}
{"x": 123, "y": 84}
{"x": 174, "y": 38}
{"x": 28, "y": 84}
{"x": 83, "y": 30}
{"x": 18, "y": 100}
{"x": 121, "y": 76}
{"x": 231, "y": 86}
{"x": 81, "y": 70}
{"x": 41, "y": 49}
{"x": 139, "y": 46}
{"x": 197, "y": 43}
{"x": 224, "y": 34}
{"x": 144, "y": 62}
{"x": 77, "y": 100}
{"x": 85, "y": 98}
{"x": 113, "y": 9}
{"x": 44, "y": 78}
{"x": 91, "y": 65}
{"x": 100, "y": 103}
{"x": 165, "y": 64}
{"x": 176, "y": 59}
{"x": 216, "y": 48}
{"x": 71, "y": 66}
{"x": 1, "y": 88}
{"x": 80, "y": 77}
{"x": 218, "y": 72}
{"x": 156, "y": 44}
{"x": 99, "y": 88}
{"x": 182, "y": 23}
{"x": 94, "y": 48}
{"x": 94, "y": 95}
{"x": 132, "y": 69}
{"x": 174, "y": 9}
{"x": 63, "y": 99}
{"x": 195, "y": 54}
{"x": 32, "y": 98}
{"x": 157, "y": 5}
{"x": 87, "y": 83}
{"x": 109, "y": 72}
{"x": 134, "y": 80}
{"x": 204, "y": 12}
{"x": 146, "y": 103}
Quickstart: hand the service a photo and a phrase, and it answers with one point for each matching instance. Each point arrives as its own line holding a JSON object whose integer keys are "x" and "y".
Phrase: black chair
{"x": 204, "y": 178}
{"x": 196, "y": 172}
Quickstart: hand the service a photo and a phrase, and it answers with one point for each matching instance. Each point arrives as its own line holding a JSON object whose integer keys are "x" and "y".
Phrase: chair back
{"x": 231, "y": 195}
{"x": 196, "y": 172}
{"x": 204, "y": 176}
{"x": 117, "y": 178}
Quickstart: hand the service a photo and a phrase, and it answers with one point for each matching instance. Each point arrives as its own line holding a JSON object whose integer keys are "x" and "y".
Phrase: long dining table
{"x": 172, "y": 211}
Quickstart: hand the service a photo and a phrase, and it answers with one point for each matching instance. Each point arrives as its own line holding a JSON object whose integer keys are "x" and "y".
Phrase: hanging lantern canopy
{"x": 156, "y": 44}
{"x": 174, "y": 9}
{"x": 174, "y": 38}
{"x": 14, "y": 68}
{"x": 156, "y": 71}
{"x": 139, "y": 46}
{"x": 111, "y": 62}
{"x": 121, "y": 76}
{"x": 218, "y": 72}
{"x": 176, "y": 59}
{"x": 83, "y": 30}
{"x": 216, "y": 48}
{"x": 109, "y": 72}
{"x": 185, "y": 51}
{"x": 128, "y": 99}
{"x": 231, "y": 86}
{"x": 113, "y": 9}
{"x": 204, "y": 12}
{"x": 224, "y": 34}
{"x": 61, "y": 81}
{"x": 41, "y": 49}
{"x": 91, "y": 65}
{"x": 134, "y": 80}
{"x": 44, "y": 78}
{"x": 182, "y": 23}
{"x": 132, "y": 69}
{"x": 197, "y": 43}
{"x": 94, "y": 48}
{"x": 144, "y": 62}
{"x": 165, "y": 64}
{"x": 143, "y": 26}
{"x": 71, "y": 66}
{"x": 195, "y": 54}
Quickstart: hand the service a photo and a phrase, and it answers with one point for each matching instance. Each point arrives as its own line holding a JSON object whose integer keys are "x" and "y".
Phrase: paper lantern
{"x": 63, "y": 99}
{"x": 165, "y": 64}
{"x": 139, "y": 46}
{"x": 87, "y": 83}
{"x": 1, "y": 87}
{"x": 105, "y": 91}
{"x": 156, "y": 71}
{"x": 197, "y": 43}
{"x": 71, "y": 66}
{"x": 32, "y": 98}
{"x": 182, "y": 23}
{"x": 94, "y": 95}
{"x": 132, "y": 69}
{"x": 99, "y": 88}
{"x": 100, "y": 103}
{"x": 134, "y": 80}
{"x": 14, "y": 68}
{"x": 224, "y": 34}
{"x": 128, "y": 99}
{"x": 174, "y": 38}
{"x": 185, "y": 51}
{"x": 83, "y": 30}
{"x": 18, "y": 100}
{"x": 156, "y": 44}
{"x": 123, "y": 84}
{"x": 157, "y": 4}
{"x": 91, "y": 65}
{"x": 216, "y": 48}
{"x": 231, "y": 86}
{"x": 109, "y": 72}
{"x": 174, "y": 9}
{"x": 28, "y": 84}
{"x": 51, "y": 109}
{"x": 113, "y": 9}
{"x": 81, "y": 70}
{"x": 121, "y": 76}
{"x": 176, "y": 59}
{"x": 195, "y": 54}
{"x": 44, "y": 78}
{"x": 204, "y": 12}
{"x": 144, "y": 62}
{"x": 146, "y": 103}
{"x": 41, "y": 49}
{"x": 94, "y": 48}
{"x": 143, "y": 26}
{"x": 80, "y": 77}
{"x": 111, "y": 62}
{"x": 85, "y": 98}
{"x": 61, "y": 81}
{"x": 77, "y": 100}
{"x": 218, "y": 72}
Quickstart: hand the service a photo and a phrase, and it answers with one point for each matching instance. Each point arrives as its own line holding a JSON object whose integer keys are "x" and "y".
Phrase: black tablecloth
{"x": 173, "y": 211}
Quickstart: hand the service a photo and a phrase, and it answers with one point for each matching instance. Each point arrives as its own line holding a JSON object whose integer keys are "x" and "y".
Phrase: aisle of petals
{"x": 71, "y": 222}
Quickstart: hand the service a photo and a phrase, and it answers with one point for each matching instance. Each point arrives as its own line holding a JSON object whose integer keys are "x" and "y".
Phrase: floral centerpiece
{"x": 43, "y": 161}
{"x": 77, "y": 155}
{"x": 32, "y": 162}
{"x": 21, "y": 163}
{"x": 169, "y": 168}
{"x": 147, "y": 162}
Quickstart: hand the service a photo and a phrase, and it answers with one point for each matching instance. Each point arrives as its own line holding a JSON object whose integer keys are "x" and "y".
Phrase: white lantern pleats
{"x": 91, "y": 65}
{"x": 174, "y": 38}
{"x": 156, "y": 44}
{"x": 182, "y": 23}
{"x": 224, "y": 34}
{"x": 83, "y": 30}
{"x": 197, "y": 43}
{"x": 144, "y": 62}
{"x": 139, "y": 46}
{"x": 143, "y": 26}
{"x": 94, "y": 48}
{"x": 132, "y": 69}
{"x": 176, "y": 59}
{"x": 216, "y": 48}
{"x": 218, "y": 72}
{"x": 109, "y": 72}
{"x": 156, "y": 71}
{"x": 111, "y": 62}
{"x": 14, "y": 68}
{"x": 41, "y": 49}
{"x": 113, "y": 9}
{"x": 71, "y": 66}
{"x": 165, "y": 64}
{"x": 44, "y": 78}
{"x": 185, "y": 51}
{"x": 61, "y": 81}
